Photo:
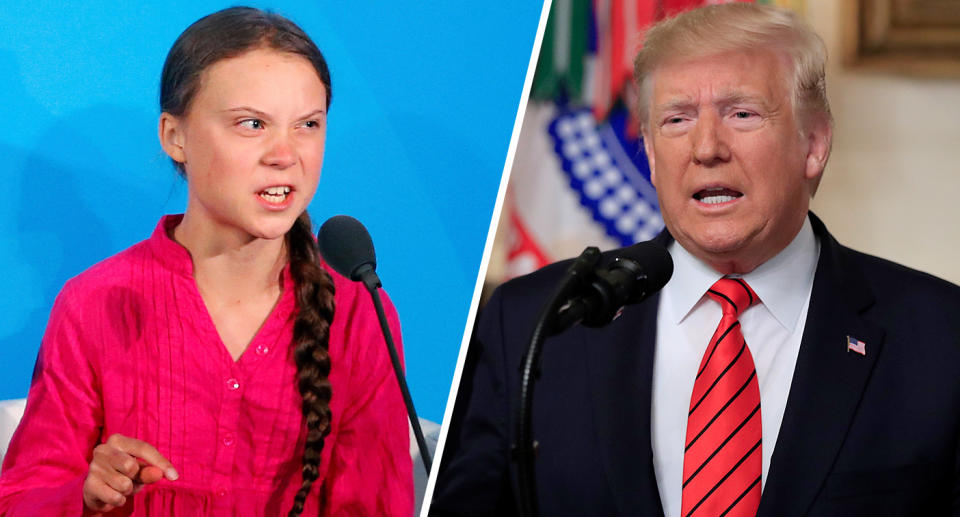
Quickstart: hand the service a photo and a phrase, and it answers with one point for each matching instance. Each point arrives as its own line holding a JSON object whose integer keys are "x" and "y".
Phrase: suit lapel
{"x": 620, "y": 368}
{"x": 828, "y": 382}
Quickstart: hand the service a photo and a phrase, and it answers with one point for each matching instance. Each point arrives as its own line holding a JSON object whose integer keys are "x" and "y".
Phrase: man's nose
{"x": 281, "y": 152}
{"x": 709, "y": 144}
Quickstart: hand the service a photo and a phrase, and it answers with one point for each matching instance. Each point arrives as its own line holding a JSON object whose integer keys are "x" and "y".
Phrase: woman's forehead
{"x": 262, "y": 76}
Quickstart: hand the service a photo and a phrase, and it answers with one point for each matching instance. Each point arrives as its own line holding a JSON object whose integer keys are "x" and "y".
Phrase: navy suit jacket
{"x": 873, "y": 434}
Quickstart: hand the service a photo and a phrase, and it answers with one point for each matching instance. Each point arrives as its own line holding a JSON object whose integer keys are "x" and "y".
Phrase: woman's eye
{"x": 252, "y": 123}
{"x": 311, "y": 124}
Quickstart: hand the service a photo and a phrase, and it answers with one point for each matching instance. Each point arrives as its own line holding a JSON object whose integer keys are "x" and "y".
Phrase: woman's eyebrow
{"x": 247, "y": 109}
{"x": 318, "y": 111}
{"x": 264, "y": 115}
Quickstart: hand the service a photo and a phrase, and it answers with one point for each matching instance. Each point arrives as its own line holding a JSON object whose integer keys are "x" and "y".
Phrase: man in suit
{"x": 830, "y": 386}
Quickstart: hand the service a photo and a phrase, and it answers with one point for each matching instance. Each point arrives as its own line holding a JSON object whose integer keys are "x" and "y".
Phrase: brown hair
{"x": 738, "y": 27}
{"x": 222, "y": 35}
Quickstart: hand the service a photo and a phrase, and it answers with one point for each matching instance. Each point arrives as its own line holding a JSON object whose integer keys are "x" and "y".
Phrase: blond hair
{"x": 735, "y": 27}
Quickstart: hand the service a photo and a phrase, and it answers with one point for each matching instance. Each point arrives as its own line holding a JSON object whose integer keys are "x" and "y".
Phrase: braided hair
{"x": 311, "y": 332}
{"x": 222, "y": 35}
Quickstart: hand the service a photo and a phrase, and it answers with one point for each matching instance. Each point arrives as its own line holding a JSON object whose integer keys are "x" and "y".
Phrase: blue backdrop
{"x": 425, "y": 96}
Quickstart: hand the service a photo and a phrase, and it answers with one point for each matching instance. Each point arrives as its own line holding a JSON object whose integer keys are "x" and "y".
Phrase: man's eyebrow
{"x": 674, "y": 105}
{"x": 723, "y": 99}
{"x": 728, "y": 98}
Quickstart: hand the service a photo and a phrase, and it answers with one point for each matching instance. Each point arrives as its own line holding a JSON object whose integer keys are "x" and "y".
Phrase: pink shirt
{"x": 130, "y": 349}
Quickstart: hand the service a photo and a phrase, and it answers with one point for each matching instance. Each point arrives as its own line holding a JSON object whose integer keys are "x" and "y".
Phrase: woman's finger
{"x": 99, "y": 497}
{"x": 116, "y": 481}
{"x": 145, "y": 452}
{"x": 110, "y": 457}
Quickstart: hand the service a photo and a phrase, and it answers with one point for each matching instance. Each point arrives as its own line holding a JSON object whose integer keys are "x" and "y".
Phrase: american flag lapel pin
{"x": 856, "y": 345}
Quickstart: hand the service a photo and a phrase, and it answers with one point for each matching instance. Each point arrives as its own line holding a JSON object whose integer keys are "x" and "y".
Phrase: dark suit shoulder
{"x": 891, "y": 276}
{"x": 888, "y": 282}
{"x": 909, "y": 294}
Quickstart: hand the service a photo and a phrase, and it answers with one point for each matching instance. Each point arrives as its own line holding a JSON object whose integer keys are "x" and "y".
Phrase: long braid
{"x": 311, "y": 333}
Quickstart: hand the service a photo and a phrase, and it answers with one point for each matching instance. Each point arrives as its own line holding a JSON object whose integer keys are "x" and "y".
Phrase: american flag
{"x": 856, "y": 345}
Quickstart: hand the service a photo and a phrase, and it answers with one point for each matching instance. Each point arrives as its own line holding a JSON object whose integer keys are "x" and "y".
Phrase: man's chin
{"x": 718, "y": 239}
{"x": 725, "y": 252}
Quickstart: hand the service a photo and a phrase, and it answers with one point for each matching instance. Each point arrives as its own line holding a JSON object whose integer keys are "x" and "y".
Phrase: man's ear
{"x": 648, "y": 150}
{"x": 819, "y": 137}
{"x": 170, "y": 131}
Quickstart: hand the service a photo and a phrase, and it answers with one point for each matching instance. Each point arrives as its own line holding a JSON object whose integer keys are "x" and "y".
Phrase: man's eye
{"x": 252, "y": 123}
{"x": 674, "y": 120}
{"x": 311, "y": 124}
{"x": 743, "y": 114}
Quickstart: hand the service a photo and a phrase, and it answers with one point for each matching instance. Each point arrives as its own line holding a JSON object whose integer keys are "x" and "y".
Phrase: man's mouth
{"x": 716, "y": 195}
{"x": 275, "y": 194}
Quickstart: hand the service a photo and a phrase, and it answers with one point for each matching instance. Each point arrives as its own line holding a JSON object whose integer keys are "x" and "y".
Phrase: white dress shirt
{"x": 686, "y": 321}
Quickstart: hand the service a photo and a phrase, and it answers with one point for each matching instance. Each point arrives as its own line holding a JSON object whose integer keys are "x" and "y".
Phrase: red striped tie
{"x": 722, "y": 461}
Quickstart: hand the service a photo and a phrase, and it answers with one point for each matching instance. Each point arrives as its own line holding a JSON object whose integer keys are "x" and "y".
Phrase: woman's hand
{"x": 120, "y": 467}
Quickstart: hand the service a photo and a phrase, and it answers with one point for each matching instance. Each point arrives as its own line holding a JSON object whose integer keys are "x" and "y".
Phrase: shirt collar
{"x": 794, "y": 266}
{"x": 169, "y": 252}
{"x": 173, "y": 256}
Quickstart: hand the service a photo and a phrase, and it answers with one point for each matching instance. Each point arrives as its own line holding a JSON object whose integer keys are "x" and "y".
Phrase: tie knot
{"x": 733, "y": 294}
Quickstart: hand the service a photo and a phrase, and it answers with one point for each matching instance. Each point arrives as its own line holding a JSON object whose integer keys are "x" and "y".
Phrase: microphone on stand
{"x": 635, "y": 273}
{"x": 346, "y": 246}
{"x": 593, "y": 295}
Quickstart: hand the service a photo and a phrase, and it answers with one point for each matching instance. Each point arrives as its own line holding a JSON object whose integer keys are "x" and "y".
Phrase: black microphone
{"x": 347, "y": 247}
{"x": 635, "y": 273}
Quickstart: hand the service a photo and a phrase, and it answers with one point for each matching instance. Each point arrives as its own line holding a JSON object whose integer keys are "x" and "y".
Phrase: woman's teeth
{"x": 275, "y": 194}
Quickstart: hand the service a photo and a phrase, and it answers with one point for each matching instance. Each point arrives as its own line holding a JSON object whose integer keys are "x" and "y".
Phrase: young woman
{"x": 218, "y": 368}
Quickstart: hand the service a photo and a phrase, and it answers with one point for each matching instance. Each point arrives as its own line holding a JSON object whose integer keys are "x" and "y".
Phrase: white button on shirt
{"x": 687, "y": 319}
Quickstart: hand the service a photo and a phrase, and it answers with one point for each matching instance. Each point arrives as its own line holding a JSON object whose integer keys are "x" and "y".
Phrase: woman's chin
{"x": 271, "y": 232}
{"x": 269, "y": 227}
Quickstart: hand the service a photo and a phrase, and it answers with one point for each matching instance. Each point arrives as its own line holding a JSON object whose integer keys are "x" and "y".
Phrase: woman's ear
{"x": 170, "y": 131}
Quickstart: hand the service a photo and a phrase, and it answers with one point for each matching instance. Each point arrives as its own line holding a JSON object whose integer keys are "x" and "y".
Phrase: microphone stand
{"x": 525, "y": 449}
{"x": 370, "y": 280}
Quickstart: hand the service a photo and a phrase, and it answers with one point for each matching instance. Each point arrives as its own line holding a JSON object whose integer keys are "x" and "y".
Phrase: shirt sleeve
{"x": 49, "y": 455}
{"x": 370, "y": 469}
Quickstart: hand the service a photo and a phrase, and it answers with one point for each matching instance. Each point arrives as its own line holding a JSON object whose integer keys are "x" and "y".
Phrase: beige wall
{"x": 892, "y": 186}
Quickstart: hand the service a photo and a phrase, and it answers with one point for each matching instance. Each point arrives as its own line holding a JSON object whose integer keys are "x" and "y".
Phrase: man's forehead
{"x": 747, "y": 76}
